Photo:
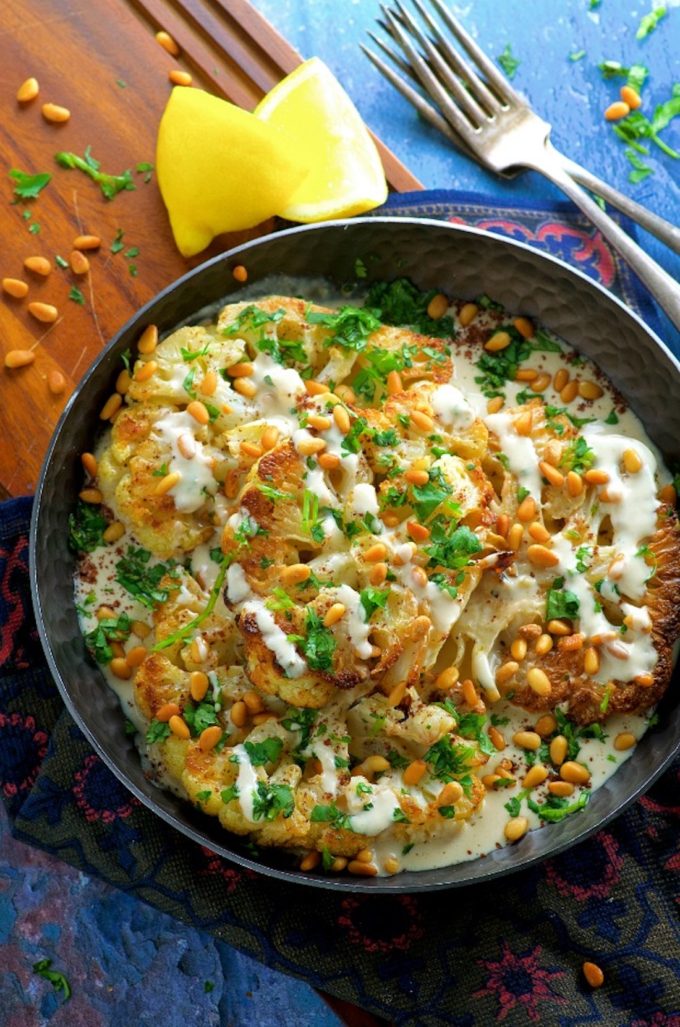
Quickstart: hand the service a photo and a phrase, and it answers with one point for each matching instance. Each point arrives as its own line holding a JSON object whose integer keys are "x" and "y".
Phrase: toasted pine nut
{"x": 541, "y": 383}
{"x": 180, "y": 78}
{"x": 503, "y": 524}
{"x": 105, "y": 613}
{"x": 295, "y": 574}
{"x": 527, "y": 740}
{"x": 329, "y": 461}
{"x": 334, "y": 613}
{"x": 535, "y": 776}
{"x": 437, "y": 306}
{"x": 38, "y": 265}
{"x": 251, "y": 449}
{"x": 539, "y": 556}
{"x": 560, "y": 380}
{"x": 90, "y": 495}
{"x": 167, "y": 482}
{"x": 209, "y": 737}
{"x": 469, "y": 693}
{"x": 497, "y": 738}
{"x": 144, "y": 372}
{"x": 89, "y": 462}
{"x": 617, "y": 110}
{"x": 516, "y": 828}
{"x": 551, "y": 474}
{"x": 186, "y": 444}
{"x": 538, "y": 532}
{"x": 574, "y": 773}
{"x": 450, "y": 794}
{"x": 416, "y": 477}
{"x": 87, "y": 242}
{"x": 28, "y": 90}
{"x": 506, "y": 671}
{"x": 596, "y": 476}
{"x": 591, "y": 971}
{"x": 148, "y": 340}
{"x": 198, "y": 411}
{"x": 518, "y": 649}
{"x": 414, "y": 772}
{"x": 559, "y": 627}
{"x": 468, "y": 312}
{"x": 561, "y": 788}
{"x": 489, "y": 780}
{"x": 418, "y": 532}
{"x": 120, "y": 668}
{"x": 624, "y": 740}
{"x": 341, "y": 418}
{"x": 253, "y": 702}
{"x": 591, "y": 660}
{"x": 646, "y": 680}
{"x": 631, "y": 461}
{"x": 530, "y": 631}
{"x": 572, "y": 643}
{"x": 140, "y": 629}
{"x": 338, "y": 864}
{"x": 629, "y": 96}
{"x": 179, "y": 727}
{"x": 245, "y": 387}
{"x": 269, "y": 438}
{"x": 54, "y": 113}
{"x": 667, "y": 494}
{"x": 310, "y": 861}
{"x": 238, "y": 273}
{"x": 166, "y": 711}
{"x": 525, "y": 327}
{"x": 527, "y": 510}
{"x": 377, "y": 574}
{"x": 239, "y": 713}
{"x": 114, "y": 531}
{"x": 538, "y": 681}
{"x": 590, "y": 390}
{"x": 360, "y": 869}
{"x": 15, "y": 287}
{"x": 545, "y": 725}
{"x": 422, "y": 421}
{"x": 242, "y": 370}
{"x": 19, "y": 358}
{"x": 498, "y": 341}
{"x": 394, "y": 383}
{"x": 494, "y": 405}
{"x": 526, "y": 374}
{"x": 79, "y": 263}
{"x": 370, "y": 766}
{"x": 375, "y": 553}
{"x": 447, "y": 678}
{"x": 136, "y": 655}
{"x": 515, "y": 537}
{"x": 420, "y": 627}
{"x": 318, "y": 422}
{"x": 310, "y": 446}
{"x": 397, "y": 694}
{"x": 574, "y": 484}
{"x": 315, "y": 388}
{"x": 209, "y": 384}
{"x": 543, "y": 645}
{"x": 168, "y": 43}
{"x": 111, "y": 407}
{"x": 569, "y": 392}
{"x": 523, "y": 423}
{"x": 198, "y": 685}
{"x": 123, "y": 381}
{"x": 391, "y": 865}
{"x": 558, "y": 750}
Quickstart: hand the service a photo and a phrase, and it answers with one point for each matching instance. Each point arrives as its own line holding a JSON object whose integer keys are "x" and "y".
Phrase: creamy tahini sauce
{"x": 632, "y": 513}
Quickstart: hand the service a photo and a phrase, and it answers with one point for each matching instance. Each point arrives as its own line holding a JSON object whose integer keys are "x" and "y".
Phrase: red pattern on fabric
{"x": 517, "y": 979}
{"x": 11, "y": 596}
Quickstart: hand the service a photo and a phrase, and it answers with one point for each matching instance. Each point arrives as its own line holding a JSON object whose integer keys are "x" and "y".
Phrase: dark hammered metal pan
{"x": 461, "y": 262}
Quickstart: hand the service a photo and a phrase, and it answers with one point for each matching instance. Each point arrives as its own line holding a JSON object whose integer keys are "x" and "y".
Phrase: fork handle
{"x": 658, "y": 226}
{"x": 664, "y": 288}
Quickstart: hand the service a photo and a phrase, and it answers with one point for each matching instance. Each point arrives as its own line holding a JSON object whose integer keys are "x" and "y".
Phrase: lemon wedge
{"x": 220, "y": 169}
{"x": 326, "y": 134}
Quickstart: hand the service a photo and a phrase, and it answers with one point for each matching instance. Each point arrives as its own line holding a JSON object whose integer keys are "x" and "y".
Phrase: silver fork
{"x": 482, "y": 114}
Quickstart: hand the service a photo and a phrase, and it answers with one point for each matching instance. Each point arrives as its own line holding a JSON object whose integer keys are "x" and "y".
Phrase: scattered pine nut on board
{"x": 127, "y": 71}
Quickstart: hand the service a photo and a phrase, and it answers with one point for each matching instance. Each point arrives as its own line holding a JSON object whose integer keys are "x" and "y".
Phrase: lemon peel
{"x": 220, "y": 169}
{"x": 325, "y": 132}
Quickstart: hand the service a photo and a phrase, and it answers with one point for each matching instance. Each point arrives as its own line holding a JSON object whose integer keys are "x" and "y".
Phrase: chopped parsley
{"x": 58, "y": 981}
{"x": 60, "y": 262}
{"x": 508, "y": 62}
{"x": 191, "y": 354}
{"x": 251, "y": 318}
{"x": 76, "y": 295}
{"x": 247, "y": 529}
{"x": 612, "y": 417}
{"x": 86, "y": 527}
{"x": 578, "y": 456}
{"x": 302, "y": 720}
{"x": 267, "y": 751}
{"x": 118, "y": 244}
{"x": 449, "y": 759}
{"x": 189, "y": 628}
{"x": 649, "y": 22}
{"x": 402, "y": 303}
{"x": 143, "y": 581}
{"x": 351, "y": 327}
{"x": 473, "y": 726}
{"x": 426, "y": 498}
{"x": 330, "y": 815}
{"x": 229, "y": 794}
{"x": 501, "y": 367}
{"x": 157, "y": 731}
{"x": 351, "y": 442}
{"x": 560, "y": 602}
{"x": 200, "y": 716}
{"x": 556, "y": 807}
{"x": 319, "y": 643}
{"x": 273, "y": 800}
{"x": 109, "y": 629}
{"x": 28, "y": 187}
{"x": 110, "y": 185}
{"x": 451, "y": 548}
{"x": 373, "y": 599}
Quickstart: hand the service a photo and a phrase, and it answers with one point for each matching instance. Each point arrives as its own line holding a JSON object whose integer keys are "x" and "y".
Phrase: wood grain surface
{"x": 101, "y": 60}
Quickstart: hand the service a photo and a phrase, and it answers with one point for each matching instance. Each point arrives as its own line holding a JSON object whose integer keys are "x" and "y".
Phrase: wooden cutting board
{"x": 104, "y": 64}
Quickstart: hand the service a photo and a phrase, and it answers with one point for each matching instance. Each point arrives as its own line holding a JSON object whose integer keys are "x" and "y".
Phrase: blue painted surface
{"x": 127, "y": 963}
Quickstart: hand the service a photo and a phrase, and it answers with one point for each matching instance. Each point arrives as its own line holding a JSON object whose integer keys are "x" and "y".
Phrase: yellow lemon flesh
{"x": 323, "y": 129}
{"x": 220, "y": 169}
